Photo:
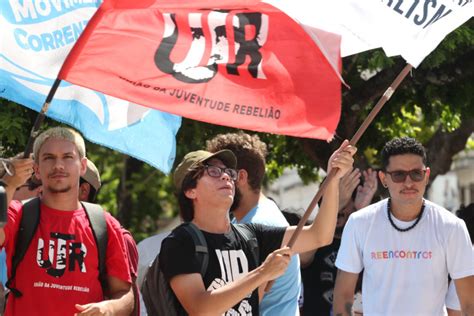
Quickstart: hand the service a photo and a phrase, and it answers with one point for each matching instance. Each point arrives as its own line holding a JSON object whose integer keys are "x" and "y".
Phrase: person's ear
{"x": 427, "y": 175}
{"x": 84, "y": 190}
{"x": 242, "y": 175}
{"x": 83, "y": 166}
{"x": 190, "y": 194}
{"x": 36, "y": 172}
{"x": 382, "y": 178}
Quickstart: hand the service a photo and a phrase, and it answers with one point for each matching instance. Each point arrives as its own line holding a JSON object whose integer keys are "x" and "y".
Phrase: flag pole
{"x": 385, "y": 97}
{"x": 40, "y": 118}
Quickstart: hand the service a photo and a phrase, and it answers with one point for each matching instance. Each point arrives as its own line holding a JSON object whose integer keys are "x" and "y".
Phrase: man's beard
{"x": 237, "y": 199}
{"x": 60, "y": 190}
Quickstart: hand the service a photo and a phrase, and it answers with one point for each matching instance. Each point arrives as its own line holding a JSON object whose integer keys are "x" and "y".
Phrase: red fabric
{"x": 140, "y": 51}
{"x": 145, "y": 4}
{"x": 54, "y": 289}
{"x": 132, "y": 252}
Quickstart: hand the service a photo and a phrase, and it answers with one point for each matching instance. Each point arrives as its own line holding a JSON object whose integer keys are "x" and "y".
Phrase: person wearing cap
{"x": 59, "y": 272}
{"x": 205, "y": 184}
{"x": 89, "y": 185}
{"x": 252, "y": 206}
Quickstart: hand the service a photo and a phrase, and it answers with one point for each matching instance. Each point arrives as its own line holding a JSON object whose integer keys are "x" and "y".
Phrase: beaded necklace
{"x": 409, "y": 227}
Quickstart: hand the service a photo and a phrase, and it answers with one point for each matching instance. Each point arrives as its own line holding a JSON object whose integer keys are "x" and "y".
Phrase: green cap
{"x": 195, "y": 157}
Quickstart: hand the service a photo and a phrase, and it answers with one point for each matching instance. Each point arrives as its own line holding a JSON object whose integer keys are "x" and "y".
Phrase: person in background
{"x": 293, "y": 217}
{"x": 148, "y": 249}
{"x": 318, "y": 268}
{"x": 30, "y": 189}
{"x": 452, "y": 301}
{"x": 89, "y": 186}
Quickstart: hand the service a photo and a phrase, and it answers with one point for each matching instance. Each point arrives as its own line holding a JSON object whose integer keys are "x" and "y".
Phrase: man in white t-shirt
{"x": 406, "y": 245}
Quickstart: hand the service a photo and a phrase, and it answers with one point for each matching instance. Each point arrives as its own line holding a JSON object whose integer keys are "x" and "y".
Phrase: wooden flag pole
{"x": 40, "y": 118}
{"x": 385, "y": 97}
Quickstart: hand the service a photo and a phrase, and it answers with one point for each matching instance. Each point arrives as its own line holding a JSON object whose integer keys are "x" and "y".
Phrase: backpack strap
{"x": 249, "y": 236}
{"x": 200, "y": 245}
{"x": 28, "y": 226}
{"x": 96, "y": 215}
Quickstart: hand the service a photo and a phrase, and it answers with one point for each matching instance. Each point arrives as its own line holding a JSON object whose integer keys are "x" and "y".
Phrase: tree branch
{"x": 443, "y": 146}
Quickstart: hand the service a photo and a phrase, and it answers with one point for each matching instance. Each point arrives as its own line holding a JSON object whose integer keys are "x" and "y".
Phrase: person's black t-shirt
{"x": 229, "y": 259}
{"x": 318, "y": 281}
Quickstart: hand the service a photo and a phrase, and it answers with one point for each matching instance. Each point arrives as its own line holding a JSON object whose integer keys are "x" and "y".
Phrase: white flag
{"x": 410, "y": 28}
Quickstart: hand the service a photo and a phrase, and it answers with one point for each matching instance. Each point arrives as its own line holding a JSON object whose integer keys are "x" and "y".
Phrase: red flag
{"x": 252, "y": 67}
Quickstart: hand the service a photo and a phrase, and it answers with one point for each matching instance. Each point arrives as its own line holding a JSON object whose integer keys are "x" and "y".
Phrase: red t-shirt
{"x": 132, "y": 253}
{"x": 60, "y": 267}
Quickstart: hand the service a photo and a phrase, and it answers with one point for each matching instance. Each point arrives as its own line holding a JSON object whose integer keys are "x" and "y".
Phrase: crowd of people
{"x": 402, "y": 255}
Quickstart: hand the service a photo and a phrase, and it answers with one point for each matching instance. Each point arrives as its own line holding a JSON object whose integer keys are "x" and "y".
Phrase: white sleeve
{"x": 349, "y": 256}
{"x": 459, "y": 253}
{"x": 452, "y": 301}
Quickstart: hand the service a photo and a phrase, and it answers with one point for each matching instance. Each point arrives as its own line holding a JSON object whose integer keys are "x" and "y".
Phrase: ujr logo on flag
{"x": 249, "y": 34}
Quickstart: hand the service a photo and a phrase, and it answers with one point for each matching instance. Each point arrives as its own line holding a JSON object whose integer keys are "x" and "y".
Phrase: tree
{"x": 434, "y": 105}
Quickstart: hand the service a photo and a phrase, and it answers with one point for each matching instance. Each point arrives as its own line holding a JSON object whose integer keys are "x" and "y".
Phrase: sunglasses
{"x": 31, "y": 184}
{"x": 400, "y": 176}
{"x": 216, "y": 172}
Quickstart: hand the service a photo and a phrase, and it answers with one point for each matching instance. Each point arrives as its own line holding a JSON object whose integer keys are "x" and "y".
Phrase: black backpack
{"x": 29, "y": 223}
{"x": 157, "y": 294}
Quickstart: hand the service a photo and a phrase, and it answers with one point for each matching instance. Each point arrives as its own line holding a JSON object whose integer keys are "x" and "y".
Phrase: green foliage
{"x": 470, "y": 144}
{"x": 377, "y": 60}
{"x": 15, "y": 124}
{"x": 285, "y": 151}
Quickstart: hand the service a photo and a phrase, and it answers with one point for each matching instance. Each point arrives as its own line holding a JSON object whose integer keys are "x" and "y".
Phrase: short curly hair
{"x": 401, "y": 146}
{"x": 250, "y": 152}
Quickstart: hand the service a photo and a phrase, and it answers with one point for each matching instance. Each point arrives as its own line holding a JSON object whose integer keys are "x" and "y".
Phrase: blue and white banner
{"x": 35, "y": 38}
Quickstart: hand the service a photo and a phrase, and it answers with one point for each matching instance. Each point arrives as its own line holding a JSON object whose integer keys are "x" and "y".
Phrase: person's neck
{"x": 406, "y": 211}
{"x": 248, "y": 201}
{"x": 61, "y": 201}
{"x": 219, "y": 224}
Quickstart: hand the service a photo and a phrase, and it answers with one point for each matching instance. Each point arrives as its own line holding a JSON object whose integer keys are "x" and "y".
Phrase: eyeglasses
{"x": 216, "y": 172}
{"x": 31, "y": 184}
{"x": 400, "y": 176}
{"x": 22, "y": 186}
